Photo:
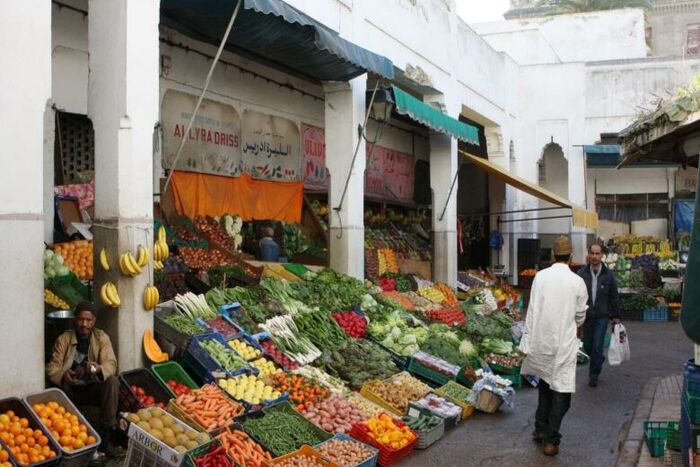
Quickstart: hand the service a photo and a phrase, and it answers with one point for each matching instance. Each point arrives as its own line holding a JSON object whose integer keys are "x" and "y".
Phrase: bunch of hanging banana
{"x": 104, "y": 261}
{"x": 109, "y": 295}
{"x": 129, "y": 265}
{"x": 160, "y": 249}
{"x": 150, "y": 297}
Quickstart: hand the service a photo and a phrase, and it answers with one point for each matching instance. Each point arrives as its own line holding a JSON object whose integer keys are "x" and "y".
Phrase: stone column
{"x": 123, "y": 107}
{"x": 25, "y": 89}
{"x": 345, "y": 110}
{"x": 444, "y": 164}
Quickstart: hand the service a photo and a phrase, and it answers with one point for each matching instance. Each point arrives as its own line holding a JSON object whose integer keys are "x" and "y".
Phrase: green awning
{"x": 432, "y": 118}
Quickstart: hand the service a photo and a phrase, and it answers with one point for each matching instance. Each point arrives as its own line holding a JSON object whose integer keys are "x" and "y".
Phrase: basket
{"x": 387, "y": 456}
{"x": 673, "y": 458}
{"x": 432, "y": 376}
{"x": 78, "y": 457}
{"x": 164, "y": 372}
{"x": 22, "y": 411}
{"x": 429, "y": 437}
{"x": 369, "y": 462}
{"x": 488, "y": 401}
{"x": 673, "y": 436}
{"x": 307, "y": 451}
{"x": 467, "y": 408}
{"x": 177, "y": 338}
{"x": 69, "y": 288}
{"x": 203, "y": 366}
{"x": 658, "y": 313}
{"x": 655, "y": 437}
{"x": 128, "y": 401}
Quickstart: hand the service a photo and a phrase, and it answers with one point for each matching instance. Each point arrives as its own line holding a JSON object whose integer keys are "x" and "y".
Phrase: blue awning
{"x": 275, "y": 34}
{"x": 608, "y": 156}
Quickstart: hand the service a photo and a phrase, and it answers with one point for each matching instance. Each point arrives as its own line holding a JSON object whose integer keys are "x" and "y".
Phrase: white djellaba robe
{"x": 557, "y": 307}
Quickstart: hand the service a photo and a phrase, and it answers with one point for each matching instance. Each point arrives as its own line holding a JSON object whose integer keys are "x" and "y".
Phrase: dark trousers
{"x": 103, "y": 395}
{"x": 593, "y": 342}
{"x": 551, "y": 408}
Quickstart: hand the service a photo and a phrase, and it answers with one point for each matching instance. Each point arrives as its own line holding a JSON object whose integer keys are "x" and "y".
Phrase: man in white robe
{"x": 558, "y": 303}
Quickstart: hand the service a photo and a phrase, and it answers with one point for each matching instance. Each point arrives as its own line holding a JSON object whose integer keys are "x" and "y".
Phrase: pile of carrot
{"x": 209, "y": 407}
{"x": 242, "y": 449}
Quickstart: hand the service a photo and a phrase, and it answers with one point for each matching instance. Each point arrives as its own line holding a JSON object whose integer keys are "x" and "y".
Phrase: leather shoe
{"x": 550, "y": 449}
{"x": 593, "y": 381}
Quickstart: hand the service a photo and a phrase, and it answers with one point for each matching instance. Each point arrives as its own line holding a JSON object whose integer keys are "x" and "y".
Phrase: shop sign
{"x": 686, "y": 180}
{"x": 314, "y": 147}
{"x": 213, "y": 142}
{"x": 390, "y": 174}
{"x": 270, "y": 147}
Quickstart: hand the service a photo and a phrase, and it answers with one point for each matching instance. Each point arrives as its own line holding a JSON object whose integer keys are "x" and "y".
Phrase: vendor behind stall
{"x": 84, "y": 366}
{"x": 268, "y": 249}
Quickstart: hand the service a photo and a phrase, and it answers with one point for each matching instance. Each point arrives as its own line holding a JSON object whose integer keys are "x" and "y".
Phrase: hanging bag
{"x": 619, "y": 346}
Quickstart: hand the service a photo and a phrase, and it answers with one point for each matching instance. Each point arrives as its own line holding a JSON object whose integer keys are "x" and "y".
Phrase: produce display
{"x": 145, "y": 398}
{"x": 398, "y": 390}
{"x": 54, "y": 265}
{"x": 433, "y": 294}
{"x": 388, "y": 432}
{"x": 200, "y": 258}
{"x": 244, "y": 349}
{"x": 303, "y": 393}
{"x": 54, "y": 301}
{"x": 421, "y": 423}
{"x": 345, "y": 452}
{"x": 354, "y": 324}
{"x": 277, "y": 355}
{"x": 366, "y": 406}
{"x": 357, "y": 362}
{"x": 15, "y": 432}
{"x": 264, "y": 366}
{"x": 335, "y": 414}
{"x": 250, "y": 389}
{"x": 440, "y": 406}
{"x": 222, "y": 275}
{"x": 506, "y": 361}
{"x": 242, "y": 449}
{"x": 209, "y": 407}
{"x": 436, "y": 364}
{"x": 223, "y": 355}
{"x": 456, "y": 392}
{"x": 171, "y": 286}
{"x": 281, "y": 432}
{"x": 77, "y": 255}
{"x": 300, "y": 460}
{"x": 183, "y": 324}
{"x": 194, "y": 306}
{"x": 66, "y": 428}
{"x": 453, "y": 316}
{"x": 286, "y": 335}
{"x": 216, "y": 457}
{"x": 178, "y": 388}
{"x": 333, "y": 384}
{"x": 448, "y": 293}
{"x": 211, "y": 229}
{"x": 223, "y": 327}
{"x": 164, "y": 427}
{"x": 4, "y": 458}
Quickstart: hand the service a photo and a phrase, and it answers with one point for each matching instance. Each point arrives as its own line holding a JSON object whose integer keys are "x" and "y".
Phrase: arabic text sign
{"x": 213, "y": 142}
{"x": 270, "y": 147}
{"x": 314, "y": 140}
{"x": 374, "y": 173}
{"x": 399, "y": 170}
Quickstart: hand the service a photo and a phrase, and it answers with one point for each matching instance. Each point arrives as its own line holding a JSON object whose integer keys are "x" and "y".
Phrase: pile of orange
{"x": 78, "y": 257}
{"x": 4, "y": 458}
{"x": 65, "y": 427}
{"x": 27, "y": 446}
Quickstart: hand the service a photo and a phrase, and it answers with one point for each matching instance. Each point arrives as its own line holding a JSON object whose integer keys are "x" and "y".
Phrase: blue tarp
{"x": 683, "y": 215}
{"x": 608, "y": 156}
{"x": 276, "y": 34}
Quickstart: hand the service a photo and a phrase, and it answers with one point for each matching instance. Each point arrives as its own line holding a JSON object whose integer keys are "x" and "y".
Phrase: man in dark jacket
{"x": 603, "y": 305}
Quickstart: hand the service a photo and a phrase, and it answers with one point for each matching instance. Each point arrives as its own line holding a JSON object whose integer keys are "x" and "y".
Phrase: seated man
{"x": 268, "y": 249}
{"x": 83, "y": 365}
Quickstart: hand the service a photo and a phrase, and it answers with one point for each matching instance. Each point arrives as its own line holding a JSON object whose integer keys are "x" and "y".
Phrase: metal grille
{"x": 75, "y": 144}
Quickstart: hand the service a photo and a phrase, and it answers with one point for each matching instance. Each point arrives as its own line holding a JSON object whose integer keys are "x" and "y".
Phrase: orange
{"x": 28, "y": 432}
{"x": 78, "y": 444}
{"x": 53, "y": 405}
{"x": 24, "y": 447}
{"x": 83, "y": 436}
{"x": 4, "y": 456}
{"x": 19, "y": 439}
{"x": 43, "y": 440}
{"x": 61, "y": 410}
{"x": 91, "y": 440}
{"x": 75, "y": 430}
{"x": 31, "y": 441}
{"x": 38, "y": 434}
{"x": 10, "y": 413}
{"x": 83, "y": 428}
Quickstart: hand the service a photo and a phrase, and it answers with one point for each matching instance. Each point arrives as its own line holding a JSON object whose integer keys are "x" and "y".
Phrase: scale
{"x": 499, "y": 270}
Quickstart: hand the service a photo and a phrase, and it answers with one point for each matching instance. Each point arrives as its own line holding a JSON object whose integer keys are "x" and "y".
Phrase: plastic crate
{"x": 204, "y": 366}
{"x": 516, "y": 380}
{"x": 367, "y": 393}
{"x": 657, "y": 313}
{"x": 128, "y": 402}
{"x": 423, "y": 372}
{"x": 190, "y": 459}
{"x": 369, "y": 462}
{"x": 177, "y": 338}
{"x": 138, "y": 456}
{"x": 467, "y": 408}
{"x": 504, "y": 370}
{"x": 655, "y": 437}
{"x": 235, "y": 331}
{"x": 232, "y": 312}
{"x": 183, "y": 415}
{"x": 251, "y": 342}
{"x": 69, "y": 288}
{"x": 428, "y": 437}
{"x": 256, "y": 407}
{"x": 10, "y": 459}
{"x": 450, "y": 422}
{"x": 164, "y": 372}
{"x": 673, "y": 436}
{"x": 21, "y": 410}
{"x": 307, "y": 451}
{"x": 78, "y": 457}
{"x": 387, "y": 455}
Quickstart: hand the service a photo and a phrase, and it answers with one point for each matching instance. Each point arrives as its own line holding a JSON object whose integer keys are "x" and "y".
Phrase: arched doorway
{"x": 554, "y": 176}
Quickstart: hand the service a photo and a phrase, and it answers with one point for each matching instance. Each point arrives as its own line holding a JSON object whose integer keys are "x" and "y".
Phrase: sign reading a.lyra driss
{"x": 213, "y": 143}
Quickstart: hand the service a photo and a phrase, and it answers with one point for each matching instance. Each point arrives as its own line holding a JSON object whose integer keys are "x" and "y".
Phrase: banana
{"x": 161, "y": 234}
{"x": 166, "y": 249}
{"x": 104, "y": 296}
{"x": 157, "y": 252}
{"x": 157, "y": 265}
{"x": 150, "y": 297}
{"x": 122, "y": 264}
{"x": 143, "y": 256}
{"x": 103, "y": 259}
{"x": 113, "y": 295}
{"x": 132, "y": 267}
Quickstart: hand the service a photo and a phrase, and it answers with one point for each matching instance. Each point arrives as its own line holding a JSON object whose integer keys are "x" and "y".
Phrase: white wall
{"x": 583, "y": 37}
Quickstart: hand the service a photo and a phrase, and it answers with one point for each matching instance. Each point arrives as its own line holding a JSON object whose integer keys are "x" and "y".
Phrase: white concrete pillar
{"x": 25, "y": 88}
{"x": 123, "y": 107}
{"x": 345, "y": 110}
{"x": 444, "y": 164}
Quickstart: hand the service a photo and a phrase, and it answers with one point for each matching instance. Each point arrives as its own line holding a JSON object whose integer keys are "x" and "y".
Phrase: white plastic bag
{"x": 619, "y": 346}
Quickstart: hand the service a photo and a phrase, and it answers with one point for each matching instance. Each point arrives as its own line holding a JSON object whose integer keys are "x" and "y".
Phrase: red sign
{"x": 374, "y": 173}
{"x": 390, "y": 174}
{"x": 314, "y": 140}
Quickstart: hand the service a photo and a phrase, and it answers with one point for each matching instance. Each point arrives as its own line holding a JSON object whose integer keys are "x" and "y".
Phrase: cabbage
{"x": 395, "y": 332}
{"x": 58, "y": 259}
{"x": 62, "y": 271}
{"x": 468, "y": 349}
{"x": 408, "y": 339}
{"x": 50, "y": 272}
{"x": 48, "y": 254}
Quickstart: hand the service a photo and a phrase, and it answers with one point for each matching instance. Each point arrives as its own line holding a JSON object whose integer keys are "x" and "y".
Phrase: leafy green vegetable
{"x": 497, "y": 346}
{"x": 357, "y": 362}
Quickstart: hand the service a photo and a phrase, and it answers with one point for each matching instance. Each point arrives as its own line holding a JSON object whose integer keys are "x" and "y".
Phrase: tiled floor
{"x": 666, "y": 406}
